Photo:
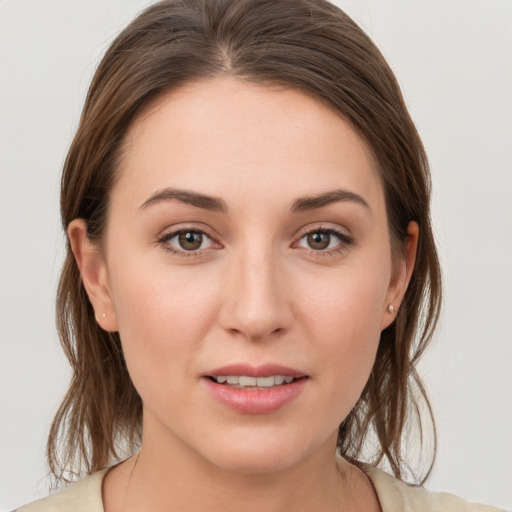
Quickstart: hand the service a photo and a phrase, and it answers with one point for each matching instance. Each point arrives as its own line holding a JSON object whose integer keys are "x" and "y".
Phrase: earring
{"x": 391, "y": 308}
{"x": 104, "y": 315}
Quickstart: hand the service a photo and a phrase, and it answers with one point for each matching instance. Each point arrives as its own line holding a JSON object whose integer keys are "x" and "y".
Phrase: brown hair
{"x": 308, "y": 45}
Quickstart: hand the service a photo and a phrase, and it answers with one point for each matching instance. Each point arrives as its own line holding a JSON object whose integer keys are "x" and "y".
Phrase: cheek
{"x": 345, "y": 321}
{"x": 349, "y": 304}
{"x": 163, "y": 316}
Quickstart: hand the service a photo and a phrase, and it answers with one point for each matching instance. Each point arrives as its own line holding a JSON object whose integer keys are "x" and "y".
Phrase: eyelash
{"x": 165, "y": 239}
{"x": 344, "y": 242}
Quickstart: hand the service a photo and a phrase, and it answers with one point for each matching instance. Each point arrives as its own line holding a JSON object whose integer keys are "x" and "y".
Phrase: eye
{"x": 323, "y": 239}
{"x": 187, "y": 240}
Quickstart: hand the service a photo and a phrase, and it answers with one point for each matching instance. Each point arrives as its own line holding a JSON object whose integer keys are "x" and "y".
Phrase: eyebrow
{"x": 313, "y": 202}
{"x": 203, "y": 201}
{"x": 218, "y": 205}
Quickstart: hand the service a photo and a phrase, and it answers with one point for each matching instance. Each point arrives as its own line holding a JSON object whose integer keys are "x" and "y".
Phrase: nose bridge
{"x": 257, "y": 304}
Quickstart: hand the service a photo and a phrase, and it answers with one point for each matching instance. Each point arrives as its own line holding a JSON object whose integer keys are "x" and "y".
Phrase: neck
{"x": 164, "y": 486}
{"x": 167, "y": 475}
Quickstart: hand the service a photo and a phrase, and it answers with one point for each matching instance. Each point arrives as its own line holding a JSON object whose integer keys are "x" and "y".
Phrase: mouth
{"x": 248, "y": 382}
{"x": 260, "y": 389}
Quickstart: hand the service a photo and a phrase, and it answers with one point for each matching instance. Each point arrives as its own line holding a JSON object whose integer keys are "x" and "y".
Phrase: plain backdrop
{"x": 453, "y": 59}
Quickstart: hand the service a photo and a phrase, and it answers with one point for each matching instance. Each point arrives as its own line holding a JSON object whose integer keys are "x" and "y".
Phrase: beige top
{"x": 394, "y": 496}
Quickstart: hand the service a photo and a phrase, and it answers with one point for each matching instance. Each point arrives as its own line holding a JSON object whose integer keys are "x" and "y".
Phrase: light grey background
{"x": 453, "y": 60}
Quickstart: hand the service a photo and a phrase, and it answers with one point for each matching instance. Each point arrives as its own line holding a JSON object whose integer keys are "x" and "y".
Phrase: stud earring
{"x": 104, "y": 315}
{"x": 391, "y": 308}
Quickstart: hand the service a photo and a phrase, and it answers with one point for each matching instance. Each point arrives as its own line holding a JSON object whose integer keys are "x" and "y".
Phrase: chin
{"x": 256, "y": 463}
{"x": 261, "y": 454}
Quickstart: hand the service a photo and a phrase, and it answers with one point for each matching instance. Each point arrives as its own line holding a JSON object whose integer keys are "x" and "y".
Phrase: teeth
{"x": 263, "y": 382}
{"x": 260, "y": 382}
{"x": 278, "y": 379}
{"x": 247, "y": 381}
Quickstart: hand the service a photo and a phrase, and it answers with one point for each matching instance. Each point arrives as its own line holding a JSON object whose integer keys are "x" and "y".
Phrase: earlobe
{"x": 94, "y": 274}
{"x": 401, "y": 275}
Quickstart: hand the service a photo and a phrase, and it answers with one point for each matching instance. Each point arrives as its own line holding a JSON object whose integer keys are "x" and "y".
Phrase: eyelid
{"x": 344, "y": 234}
{"x": 345, "y": 240}
{"x": 168, "y": 234}
{"x": 204, "y": 236}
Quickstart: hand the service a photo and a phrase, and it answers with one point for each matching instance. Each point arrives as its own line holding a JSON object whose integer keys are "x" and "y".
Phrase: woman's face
{"x": 247, "y": 239}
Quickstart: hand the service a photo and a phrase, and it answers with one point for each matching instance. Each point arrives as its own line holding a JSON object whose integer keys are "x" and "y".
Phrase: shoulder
{"x": 82, "y": 496}
{"x": 397, "y": 496}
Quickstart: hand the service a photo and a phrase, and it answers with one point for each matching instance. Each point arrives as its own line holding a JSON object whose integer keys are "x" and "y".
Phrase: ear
{"x": 401, "y": 275}
{"x": 94, "y": 274}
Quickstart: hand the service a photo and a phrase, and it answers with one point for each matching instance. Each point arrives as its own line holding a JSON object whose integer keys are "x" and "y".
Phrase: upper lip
{"x": 264, "y": 370}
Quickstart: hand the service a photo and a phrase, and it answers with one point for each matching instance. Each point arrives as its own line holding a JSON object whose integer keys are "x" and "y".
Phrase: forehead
{"x": 225, "y": 136}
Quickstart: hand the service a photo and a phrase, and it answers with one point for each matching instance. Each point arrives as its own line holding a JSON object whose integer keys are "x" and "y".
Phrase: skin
{"x": 255, "y": 292}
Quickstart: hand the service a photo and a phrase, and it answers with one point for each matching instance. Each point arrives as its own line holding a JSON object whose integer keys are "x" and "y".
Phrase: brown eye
{"x": 190, "y": 240}
{"x": 325, "y": 239}
{"x": 186, "y": 240}
{"x": 318, "y": 240}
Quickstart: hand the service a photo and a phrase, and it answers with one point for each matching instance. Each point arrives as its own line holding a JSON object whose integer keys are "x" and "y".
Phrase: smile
{"x": 262, "y": 389}
{"x": 245, "y": 382}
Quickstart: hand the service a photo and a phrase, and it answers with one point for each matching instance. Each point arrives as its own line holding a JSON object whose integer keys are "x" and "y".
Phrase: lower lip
{"x": 256, "y": 401}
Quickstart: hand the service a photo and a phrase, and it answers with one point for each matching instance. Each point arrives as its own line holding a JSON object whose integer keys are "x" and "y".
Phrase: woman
{"x": 251, "y": 274}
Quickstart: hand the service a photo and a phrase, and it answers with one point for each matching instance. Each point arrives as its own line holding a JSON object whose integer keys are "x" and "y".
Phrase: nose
{"x": 257, "y": 301}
